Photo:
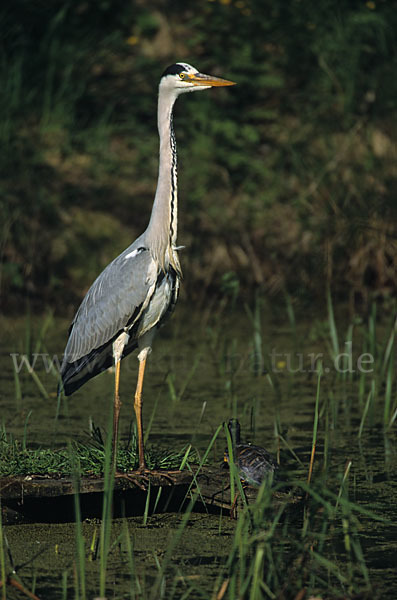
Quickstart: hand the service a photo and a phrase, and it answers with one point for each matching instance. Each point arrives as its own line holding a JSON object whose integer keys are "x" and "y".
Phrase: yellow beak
{"x": 208, "y": 80}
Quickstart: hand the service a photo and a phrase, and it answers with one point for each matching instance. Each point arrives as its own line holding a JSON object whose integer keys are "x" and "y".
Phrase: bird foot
{"x": 136, "y": 478}
{"x": 167, "y": 474}
{"x": 141, "y": 477}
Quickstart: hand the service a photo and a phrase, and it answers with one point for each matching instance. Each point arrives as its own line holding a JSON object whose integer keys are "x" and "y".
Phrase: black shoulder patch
{"x": 173, "y": 70}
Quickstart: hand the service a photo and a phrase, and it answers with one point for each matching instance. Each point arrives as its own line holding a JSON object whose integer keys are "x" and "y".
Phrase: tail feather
{"x": 75, "y": 374}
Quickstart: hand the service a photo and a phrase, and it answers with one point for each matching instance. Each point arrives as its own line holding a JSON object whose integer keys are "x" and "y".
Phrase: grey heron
{"x": 138, "y": 290}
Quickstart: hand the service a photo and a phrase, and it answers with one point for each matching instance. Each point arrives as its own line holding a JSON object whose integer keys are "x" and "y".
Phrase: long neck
{"x": 162, "y": 229}
{"x": 234, "y": 430}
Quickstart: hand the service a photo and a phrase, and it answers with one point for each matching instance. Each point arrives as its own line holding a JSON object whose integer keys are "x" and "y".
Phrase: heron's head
{"x": 181, "y": 77}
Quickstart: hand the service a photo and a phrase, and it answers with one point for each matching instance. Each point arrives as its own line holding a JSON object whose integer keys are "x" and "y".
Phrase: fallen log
{"x": 38, "y": 498}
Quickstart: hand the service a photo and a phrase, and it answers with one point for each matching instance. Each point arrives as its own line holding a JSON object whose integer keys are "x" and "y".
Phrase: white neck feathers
{"x": 161, "y": 232}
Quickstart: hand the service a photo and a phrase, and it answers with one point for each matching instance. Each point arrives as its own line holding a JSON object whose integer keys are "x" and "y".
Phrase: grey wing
{"x": 119, "y": 295}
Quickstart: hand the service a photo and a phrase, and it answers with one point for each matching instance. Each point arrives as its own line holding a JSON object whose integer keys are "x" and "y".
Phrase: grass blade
{"x": 315, "y": 423}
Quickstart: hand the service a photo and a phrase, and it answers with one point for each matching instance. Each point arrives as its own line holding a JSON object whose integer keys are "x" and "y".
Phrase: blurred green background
{"x": 286, "y": 181}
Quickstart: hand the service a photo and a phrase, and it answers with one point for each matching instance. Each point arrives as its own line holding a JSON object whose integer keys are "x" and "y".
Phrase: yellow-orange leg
{"x": 116, "y": 413}
{"x": 138, "y": 413}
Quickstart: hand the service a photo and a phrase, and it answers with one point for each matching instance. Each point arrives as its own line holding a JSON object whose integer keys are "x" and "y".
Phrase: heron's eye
{"x": 181, "y": 75}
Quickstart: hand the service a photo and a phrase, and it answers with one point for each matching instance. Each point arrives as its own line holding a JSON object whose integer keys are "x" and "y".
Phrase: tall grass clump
{"x": 363, "y": 365}
{"x": 90, "y": 456}
{"x": 277, "y": 554}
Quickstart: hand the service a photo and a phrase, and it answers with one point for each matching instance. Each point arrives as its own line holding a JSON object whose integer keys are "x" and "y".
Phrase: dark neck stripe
{"x": 173, "y": 181}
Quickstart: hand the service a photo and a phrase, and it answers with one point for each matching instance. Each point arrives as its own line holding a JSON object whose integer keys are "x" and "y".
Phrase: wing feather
{"x": 124, "y": 286}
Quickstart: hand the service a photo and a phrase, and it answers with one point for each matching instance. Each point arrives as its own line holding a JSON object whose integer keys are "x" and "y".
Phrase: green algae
{"x": 47, "y": 552}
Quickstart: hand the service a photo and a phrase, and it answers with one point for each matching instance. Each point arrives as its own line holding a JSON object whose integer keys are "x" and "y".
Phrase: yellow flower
{"x": 370, "y": 5}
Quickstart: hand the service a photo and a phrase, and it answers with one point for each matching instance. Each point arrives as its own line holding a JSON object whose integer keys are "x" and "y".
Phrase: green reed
{"x": 64, "y": 585}
{"x": 234, "y": 476}
{"x": 202, "y": 462}
{"x": 2, "y": 558}
{"x": 106, "y": 524}
{"x": 134, "y": 581}
{"x": 80, "y": 584}
{"x": 315, "y": 422}
{"x": 255, "y": 319}
{"x": 177, "y": 395}
{"x": 332, "y": 325}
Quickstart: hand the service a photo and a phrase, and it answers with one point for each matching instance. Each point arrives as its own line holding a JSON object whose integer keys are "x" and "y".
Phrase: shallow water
{"x": 201, "y": 372}
{"x": 199, "y": 552}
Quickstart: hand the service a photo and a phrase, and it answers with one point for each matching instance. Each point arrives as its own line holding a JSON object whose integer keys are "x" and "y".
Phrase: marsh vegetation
{"x": 331, "y": 534}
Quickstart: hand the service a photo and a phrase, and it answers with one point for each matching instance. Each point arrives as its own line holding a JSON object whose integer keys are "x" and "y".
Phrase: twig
{"x": 16, "y": 584}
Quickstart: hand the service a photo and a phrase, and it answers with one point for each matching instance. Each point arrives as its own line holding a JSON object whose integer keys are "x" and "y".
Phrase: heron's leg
{"x": 116, "y": 412}
{"x": 142, "y": 356}
{"x": 118, "y": 348}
